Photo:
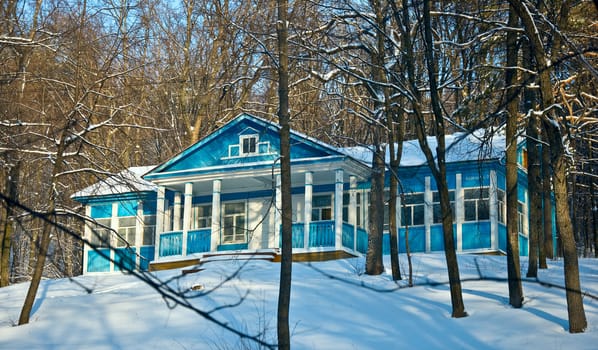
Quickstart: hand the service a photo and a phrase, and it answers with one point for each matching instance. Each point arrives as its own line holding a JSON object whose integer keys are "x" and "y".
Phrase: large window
{"x": 347, "y": 203}
{"x": 233, "y": 230}
{"x": 126, "y": 231}
{"x": 476, "y": 202}
{"x": 321, "y": 207}
{"x": 100, "y": 233}
{"x": 412, "y": 209}
{"x": 201, "y": 216}
{"x": 436, "y": 210}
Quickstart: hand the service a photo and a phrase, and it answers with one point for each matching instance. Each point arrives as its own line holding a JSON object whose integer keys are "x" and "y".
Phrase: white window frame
{"x": 239, "y": 232}
{"x": 255, "y": 139}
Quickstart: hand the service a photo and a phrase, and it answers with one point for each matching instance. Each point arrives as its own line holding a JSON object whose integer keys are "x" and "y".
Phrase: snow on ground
{"x": 333, "y": 306}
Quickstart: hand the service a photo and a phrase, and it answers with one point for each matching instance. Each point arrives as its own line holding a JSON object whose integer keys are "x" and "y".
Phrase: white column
{"x": 139, "y": 225}
{"x": 493, "y": 193}
{"x": 88, "y": 235}
{"x": 338, "y": 209}
{"x": 428, "y": 213}
{"x": 525, "y": 215}
{"x": 187, "y": 207}
{"x": 309, "y": 179}
{"x": 459, "y": 210}
{"x": 160, "y": 201}
{"x": 114, "y": 238}
{"x": 353, "y": 208}
{"x": 399, "y": 218}
{"x": 176, "y": 215}
{"x": 277, "y": 209}
{"x": 215, "y": 236}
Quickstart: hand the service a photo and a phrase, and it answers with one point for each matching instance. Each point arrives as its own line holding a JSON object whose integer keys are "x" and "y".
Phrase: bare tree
{"x": 286, "y": 264}
{"x": 512, "y": 105}
{"x": 577, "y": 318}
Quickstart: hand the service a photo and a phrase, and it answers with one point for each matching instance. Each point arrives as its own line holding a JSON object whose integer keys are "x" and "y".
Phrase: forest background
{"x": 89, "y": 88}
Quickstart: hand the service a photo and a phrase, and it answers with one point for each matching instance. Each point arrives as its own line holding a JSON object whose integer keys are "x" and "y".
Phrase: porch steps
{"x": 318, "y": 256}
{"x": 195, "y": 262}
{"x": 273, "y": 255}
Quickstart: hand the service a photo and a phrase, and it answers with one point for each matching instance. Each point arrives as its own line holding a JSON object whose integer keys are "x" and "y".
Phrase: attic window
{"x": 248, "y": 144}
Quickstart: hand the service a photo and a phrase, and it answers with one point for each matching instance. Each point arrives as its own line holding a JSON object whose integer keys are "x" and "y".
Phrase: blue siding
{"x": 147, "y": 255}
{"x": 101, "y": 211}
{"x": 523, "y": 245}
{"x": 502, "y": 237}
{"x": 127, "y": 208}
{"x": 476, "y": 235}
{"x": 214, "y": 149}
{"x": 227, "y": 247}
{"x": 436, "y": 238}
{"x": 386, "y": 243}
{"x": 124, "y": 259}
{"x": 417, "y": 239}
{"x": 198, "y": 241}
{"x": 149, "y": 207}
{"x": 98, "y": 263}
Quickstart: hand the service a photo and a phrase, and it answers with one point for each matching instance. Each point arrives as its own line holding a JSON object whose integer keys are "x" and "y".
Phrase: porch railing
{"x": 171, "y": 243}
{"x": 198, "y": 241}
{"x": 321, "y": 234}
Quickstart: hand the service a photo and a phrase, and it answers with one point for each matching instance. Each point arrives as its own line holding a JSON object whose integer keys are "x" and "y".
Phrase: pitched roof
{"x": 460, "y": 147}
{"x": 128, "y": 180}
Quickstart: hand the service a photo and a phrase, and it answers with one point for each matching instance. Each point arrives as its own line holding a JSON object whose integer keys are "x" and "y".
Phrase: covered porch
{"x": 238, "y": 211}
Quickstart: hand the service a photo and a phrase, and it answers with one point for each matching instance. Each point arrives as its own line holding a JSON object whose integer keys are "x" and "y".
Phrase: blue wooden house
{"x": 222, "y": 196}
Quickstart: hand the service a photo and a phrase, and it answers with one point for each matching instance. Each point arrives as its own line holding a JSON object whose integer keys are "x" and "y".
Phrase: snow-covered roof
{"x": 128, "y": 180}
{"x": 460, "y": 147}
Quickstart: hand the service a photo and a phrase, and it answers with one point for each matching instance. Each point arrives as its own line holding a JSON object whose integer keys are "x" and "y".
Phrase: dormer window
{"x": 248, "y": 144}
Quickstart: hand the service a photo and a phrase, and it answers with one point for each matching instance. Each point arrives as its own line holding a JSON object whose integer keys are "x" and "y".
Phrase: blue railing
{"x": 348, "y": 235}
{"x": 321, "y": 234}
{"x": 198, "y": 241}
{"x": 298, "y": 236}
{"x": 362, "y": 240}
{"x": 171, "y": 243}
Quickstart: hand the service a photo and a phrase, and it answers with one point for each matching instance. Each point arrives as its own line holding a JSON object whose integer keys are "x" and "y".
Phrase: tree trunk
{"x": 534, "y": 188}
{"x": 440, "y": 172}
{"x": 47, "y": 224}
{"x": 395, "y": 159}
{"x": 373, "y": 262}
{"x": 6, "y": 222}
{"x": 547, "y": 199}
{"x": 575, "y": 309}
{"x": 286, "y": 264}
{"x": 513, "y": 270}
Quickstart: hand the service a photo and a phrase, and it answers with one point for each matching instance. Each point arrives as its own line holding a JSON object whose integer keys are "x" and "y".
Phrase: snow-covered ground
{"x": 333, "y": 306}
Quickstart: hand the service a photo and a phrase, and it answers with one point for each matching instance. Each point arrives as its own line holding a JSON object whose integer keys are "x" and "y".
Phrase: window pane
{"x": 415, "y": 198}
{"x": 315, "y": 215}
{"x": 418, "y": 215}
{"x": 470, "y": 210}
{"x": 322, "y": 201}
{"x": 326, "y": 214}
{"x": 437, "y": 213}
{"x": 148, "y": 235}
{"x": 234, "y": 208}
{"x": 406, "y": 216}
{"x": 483, "y": 210}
